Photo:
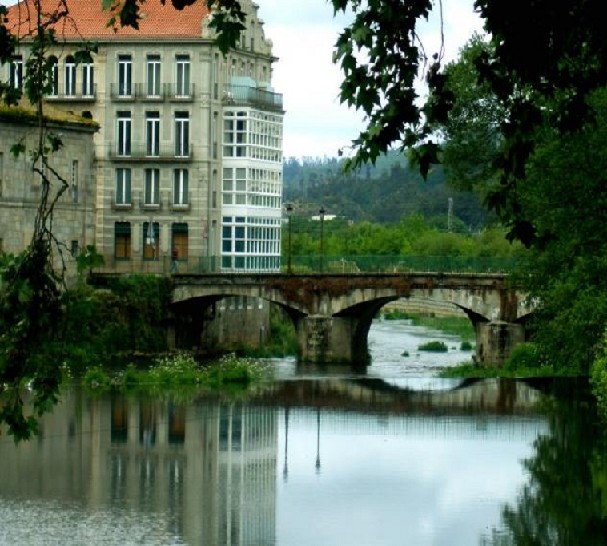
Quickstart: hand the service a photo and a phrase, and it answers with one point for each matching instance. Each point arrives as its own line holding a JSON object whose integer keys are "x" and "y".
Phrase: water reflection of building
{"x": 207, "y": 470}
{"x": 216, "y": 460}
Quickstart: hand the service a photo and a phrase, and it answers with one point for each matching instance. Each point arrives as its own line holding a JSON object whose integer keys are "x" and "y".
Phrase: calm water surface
{"x": 326, "y": 456}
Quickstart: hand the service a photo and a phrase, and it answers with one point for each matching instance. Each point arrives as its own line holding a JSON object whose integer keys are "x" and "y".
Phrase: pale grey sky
{"x": 303, "y": 33}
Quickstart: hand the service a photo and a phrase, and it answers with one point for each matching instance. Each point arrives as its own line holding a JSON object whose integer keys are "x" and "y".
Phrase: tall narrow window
{"x": 182, "y": 134}
{"x": 182, "y": 76}
{"x": 152, "y": 130}
{"x": 152, "y": 186}
{"x": 53, "y": 77}
{"x": 74, "y": 181}
{"x": 124, "y": 134}
{"x": 179, "y": 232}
{"x": 180, "y": 187}
{"x": 16, "y": 74}
{"x": 70, "y": 76}
{"x": 125, "y": 67}
{"x": 123, "y": 186}
{"x": 153, "y": 75}
{"x": 151, "y": 231}
{"x": 122, "y": 240}
{"x": 88, "y": 80}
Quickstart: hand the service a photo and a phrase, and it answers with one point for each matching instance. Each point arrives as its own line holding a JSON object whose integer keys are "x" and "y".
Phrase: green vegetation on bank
{"x": 433, "y": 347}
{"x": 177, "y": 372}
{"x": 526, "y": 361}
{"x": 127, "y": 317}
{"x": 459, "y": 326}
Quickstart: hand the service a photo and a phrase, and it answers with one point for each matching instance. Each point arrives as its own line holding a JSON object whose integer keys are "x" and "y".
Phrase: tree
{"x": 559, "y": 199}
{"x": 30, "y": 285}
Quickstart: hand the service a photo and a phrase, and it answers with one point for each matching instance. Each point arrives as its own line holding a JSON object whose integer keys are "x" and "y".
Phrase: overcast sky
{"x": 303, "y": 33}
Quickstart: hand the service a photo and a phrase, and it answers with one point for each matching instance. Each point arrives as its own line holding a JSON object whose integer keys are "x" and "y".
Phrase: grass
{"x": 458, "y": 326}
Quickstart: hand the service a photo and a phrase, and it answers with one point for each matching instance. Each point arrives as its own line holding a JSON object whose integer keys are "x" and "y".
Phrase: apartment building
{"x": 188, "y": 155}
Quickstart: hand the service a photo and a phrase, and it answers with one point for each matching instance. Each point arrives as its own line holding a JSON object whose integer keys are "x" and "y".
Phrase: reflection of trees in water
{"x": 565, "y": 500}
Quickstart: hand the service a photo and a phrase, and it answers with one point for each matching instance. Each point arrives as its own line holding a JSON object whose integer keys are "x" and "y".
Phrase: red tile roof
{"x": 86, "y": 20}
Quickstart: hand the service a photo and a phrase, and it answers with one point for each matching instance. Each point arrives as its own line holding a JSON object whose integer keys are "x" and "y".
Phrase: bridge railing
{"x": 397, "y": 264}
{"x": 311, "y": 264}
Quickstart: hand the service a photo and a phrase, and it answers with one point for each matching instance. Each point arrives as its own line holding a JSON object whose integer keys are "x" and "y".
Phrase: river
{"x": 391, "y": 455}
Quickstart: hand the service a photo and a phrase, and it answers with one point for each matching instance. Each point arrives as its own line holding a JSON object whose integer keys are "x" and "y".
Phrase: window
{"x": 74, "y": 181}
{"x": 182, "y": 134}
{"x": 152, "y": 187}
{"x": 151, "y": 231}
{"x": 183, "y": 76}
{"x": 235, "y": 134}
{"x": 70, "y": 76}
{"x": 125, "y": 67}
{"x": 153, "y": 75}
{"x": 152, "y": 130}
{"x": 16, "y": 75}
{"x": 53, "y": 77}
{"x": 234, "y": 186}
{"x": 88, "y": 80}
{"x": 180, "y": 187}
{"x": 74, "y": 248}
{"x": 180, "y": 239}
{"x": 122, "y": 240}
{"x": 124, "y": 134}
{"x": 123, "y": 186}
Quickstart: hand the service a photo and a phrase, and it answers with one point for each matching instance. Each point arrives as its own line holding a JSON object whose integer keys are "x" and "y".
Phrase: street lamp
{"x": 289, "y": 208}
{"x": 322, "y": 249}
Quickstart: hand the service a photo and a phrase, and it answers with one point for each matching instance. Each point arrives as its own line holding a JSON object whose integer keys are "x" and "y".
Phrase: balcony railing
{"x": 137, "y": 202}
{"x": 242, "y": 95}
{"x": 78, "y": 96}
{"x": 139, "y": 152}
{"x": 142, "y": 92}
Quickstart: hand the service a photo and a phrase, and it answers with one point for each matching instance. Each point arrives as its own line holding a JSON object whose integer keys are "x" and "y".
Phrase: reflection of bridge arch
{"x": 332, "y": 314}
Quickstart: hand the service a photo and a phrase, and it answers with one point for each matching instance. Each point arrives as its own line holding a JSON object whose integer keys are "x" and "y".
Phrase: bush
{"x": 96, "y": 380}
{"x": 524, "y": 356}
{"x": 466, "y": 346}
{"x": 434, "y": 346}
{"x": 598, "y": 380}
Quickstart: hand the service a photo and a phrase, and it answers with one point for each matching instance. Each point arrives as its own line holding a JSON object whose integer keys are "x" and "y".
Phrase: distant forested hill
{"x": 384, "y": 193}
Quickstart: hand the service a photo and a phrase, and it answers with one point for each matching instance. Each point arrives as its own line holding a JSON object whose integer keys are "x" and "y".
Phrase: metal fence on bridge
{"x": 323, "y": 264}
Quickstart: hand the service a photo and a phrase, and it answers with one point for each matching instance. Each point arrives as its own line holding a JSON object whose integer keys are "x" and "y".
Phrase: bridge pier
{"x": 495, "y": 341}
{"x": 326, "y": 339}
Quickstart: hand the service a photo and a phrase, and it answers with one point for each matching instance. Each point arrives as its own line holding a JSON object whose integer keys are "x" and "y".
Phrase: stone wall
{"x": 20, "y": 188}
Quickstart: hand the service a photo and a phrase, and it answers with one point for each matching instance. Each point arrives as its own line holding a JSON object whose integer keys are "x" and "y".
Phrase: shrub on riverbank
{"x": 434, "y": 347}
{"x": 176, "y": 372}
{"x": 128, "y": 316}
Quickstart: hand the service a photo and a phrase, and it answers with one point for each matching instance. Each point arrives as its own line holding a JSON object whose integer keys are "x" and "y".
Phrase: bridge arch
{"x": 333, "y": 313}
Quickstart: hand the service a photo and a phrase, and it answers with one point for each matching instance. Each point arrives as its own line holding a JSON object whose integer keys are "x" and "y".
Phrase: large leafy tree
{"x": 560, "y": 198}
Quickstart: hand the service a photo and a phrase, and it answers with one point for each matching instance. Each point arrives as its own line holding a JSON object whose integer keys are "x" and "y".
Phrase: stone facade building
{"x": 74, "y": 219}
{"x": 188, "y": 155}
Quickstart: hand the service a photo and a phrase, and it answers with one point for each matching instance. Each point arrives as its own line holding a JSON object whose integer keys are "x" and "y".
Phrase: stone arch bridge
{"x": 332, "y": 313}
